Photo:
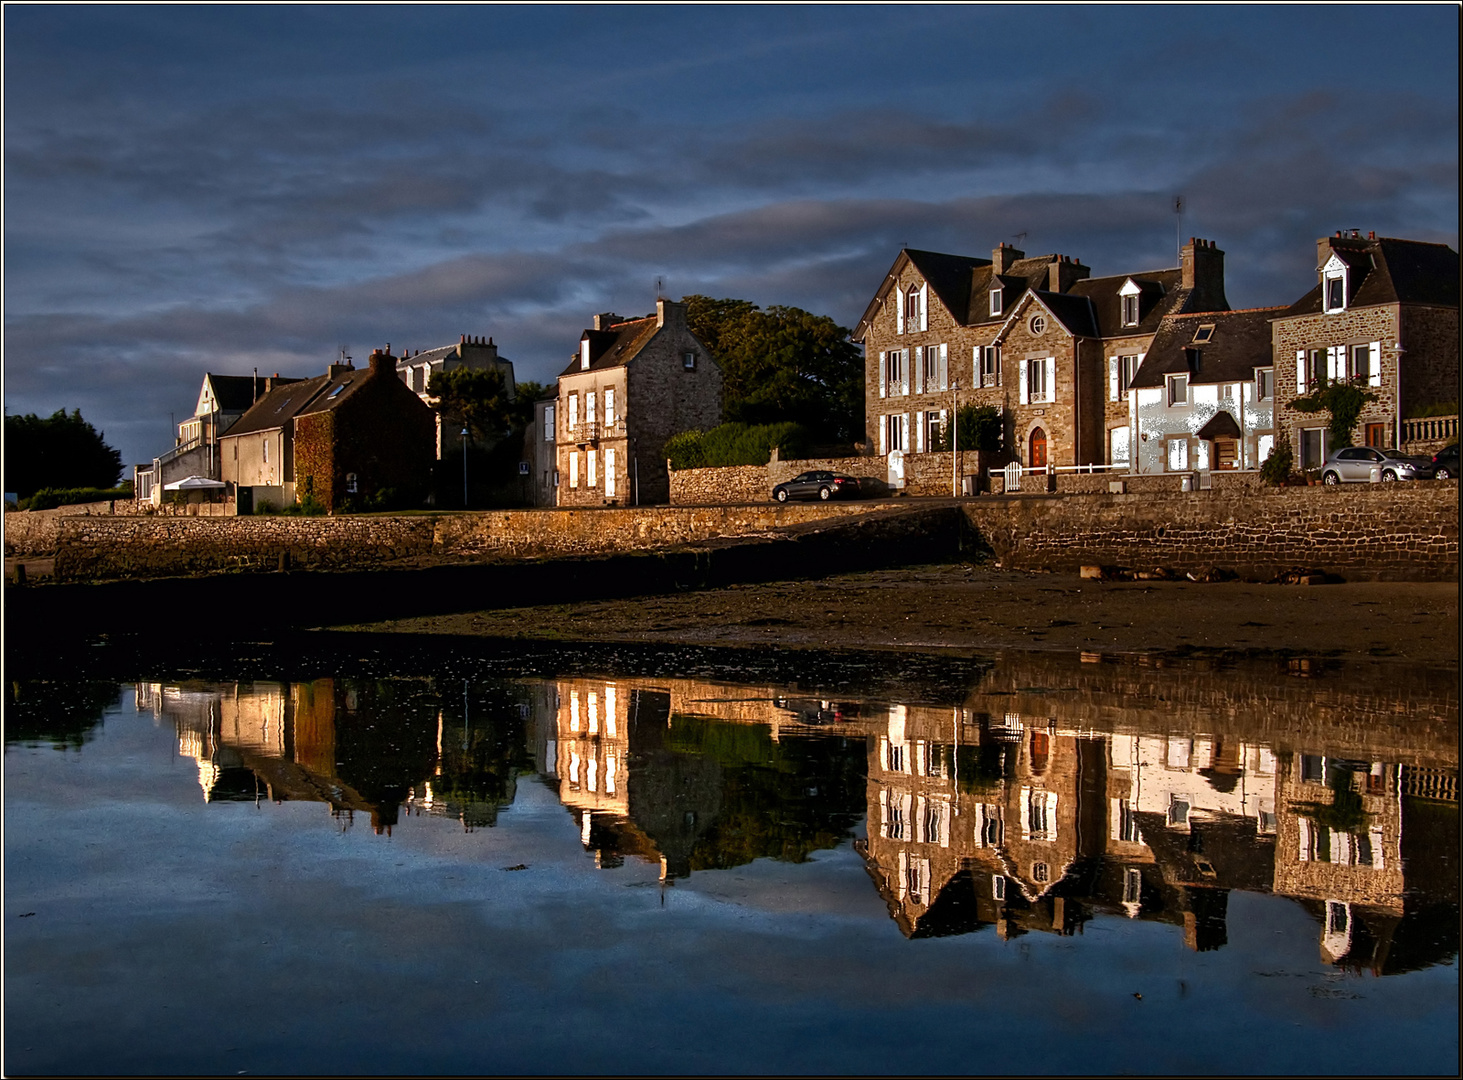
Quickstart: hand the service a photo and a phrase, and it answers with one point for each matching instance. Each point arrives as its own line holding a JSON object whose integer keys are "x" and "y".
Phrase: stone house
{"x": 1383, "y": 314}
{"x": 632, "y": 384}
{"x": 1204, "y": 397}
{"x": 342, "y": 435}
{"x": 1038, "y": 338}
{"x": 539, "y": 452}
{"x": 222, "y": 400}
{"x": 417, "y": 369}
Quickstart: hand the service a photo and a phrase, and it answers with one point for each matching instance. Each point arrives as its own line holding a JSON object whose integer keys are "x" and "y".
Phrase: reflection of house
{"x": 222, "y": 400}
{"x": 1204, "y": 397}
{"x": 1384, "y": 315}
{"x": 346, "y": 435}
{"x": 630, "y": 387}
{"x": 1038, "y": 338}
{"x": 475, "y": 354}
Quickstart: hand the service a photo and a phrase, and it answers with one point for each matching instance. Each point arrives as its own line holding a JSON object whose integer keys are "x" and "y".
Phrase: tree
{"x": 59, "y": 451}
{"x": 783, "y": 364}
{"x": 977, "y": 427}
{"x": 477, "y": 397}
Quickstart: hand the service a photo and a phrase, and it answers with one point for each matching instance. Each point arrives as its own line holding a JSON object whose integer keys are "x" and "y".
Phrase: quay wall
{"x": 1388, "y": 532}
{"x": 1363, "y": 531}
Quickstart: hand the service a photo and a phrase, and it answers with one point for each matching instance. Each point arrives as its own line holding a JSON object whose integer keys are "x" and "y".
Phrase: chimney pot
{"x": 462, "y": 339}
{"x": 1371, "y": 234}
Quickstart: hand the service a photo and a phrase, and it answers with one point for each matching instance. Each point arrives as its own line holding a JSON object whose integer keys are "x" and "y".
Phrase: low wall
{"x": 95, "y": 548}
{"x": 34, "y": 532}
{"x": 735, "y": 484}
{"x": 924, "y": 474}
{"x": 1395, "y": 532}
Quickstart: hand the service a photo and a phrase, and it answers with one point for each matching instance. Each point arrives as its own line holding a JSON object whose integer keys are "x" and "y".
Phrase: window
{"x": 990, "y": 365}
{"x": 1178, "y": 455}
{"x": 911, "y": 308}
{"x": 1178, "y": 389}
{"x": 573, "y": 468}
{"x": 583, "y": 355}
{"x": 589, "y": 404}
{"x": 989, "y": 830}
{"x": 1127, "y": 372}
{"x": 932, "y": 427}
{"x": 609, "y": 473}
{"x": 688, "y": 361}
{"x": 894, "y": 432}
{"x": 1037, "y": 386}
{"x": 1265, "y": 384}
{"x": 1118, "y": 441}
{"x": 1376, "y": 435}
{"x": 591, "y": 472}
{"x": 609, "y": 406}
{"x": 1312, "y": 769}
{"x": 1037, "y": 325}
{"x": 548, "y": 423}
{"x": 556, "y": 478}
{"x": 1311, "y": 369}
{"x": 1312, "y": 447}
{"x": 1335, "y": 292}
{"x": 1359, "y": 362}
{"x": 350, "y": 478}
{"x": 1203, "y": 334}
{"x": 930, "y": 368}
{"x": 1130, "y": 310}
{"x": 573, "y": 413}
{"x": 894, "y": 374}
{"x": 995, "y": 301}
{"x": 265, "y": 444}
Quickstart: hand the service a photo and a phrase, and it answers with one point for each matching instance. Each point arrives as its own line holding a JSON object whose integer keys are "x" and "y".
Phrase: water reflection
{"x": 1051, "y": 794}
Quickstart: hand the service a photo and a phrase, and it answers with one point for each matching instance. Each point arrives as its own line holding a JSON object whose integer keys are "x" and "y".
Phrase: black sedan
{"x": 1443, "y": 466}
{"x": 817, "y": 484}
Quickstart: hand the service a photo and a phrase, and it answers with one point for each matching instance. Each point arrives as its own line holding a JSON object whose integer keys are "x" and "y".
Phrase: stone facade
{"x": 632, "y": 385}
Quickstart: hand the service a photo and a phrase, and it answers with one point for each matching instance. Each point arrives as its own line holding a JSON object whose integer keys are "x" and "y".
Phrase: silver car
{"x": 1354, "y": 465}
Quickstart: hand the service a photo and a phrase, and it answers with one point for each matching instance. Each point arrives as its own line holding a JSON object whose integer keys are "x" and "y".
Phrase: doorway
{"x": 1037, "y": 455}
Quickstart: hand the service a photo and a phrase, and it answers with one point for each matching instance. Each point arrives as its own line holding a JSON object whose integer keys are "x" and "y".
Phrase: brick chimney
{"x": 1003, "y": 256}
{"x": 382, "y": 360}
{"x": 1202, "y": 269}
{"x": 1063, "y": 272}
{"x": 670, "y": 313}
{"x": 606, "y": 319}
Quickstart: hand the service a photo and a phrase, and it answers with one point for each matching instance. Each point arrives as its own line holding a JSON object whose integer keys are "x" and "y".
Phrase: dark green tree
{"x": 978, "y": 427}
{"x": 480, "y": 397}
{"x": 783, "y": 364}
{"x": 59, "y": 451}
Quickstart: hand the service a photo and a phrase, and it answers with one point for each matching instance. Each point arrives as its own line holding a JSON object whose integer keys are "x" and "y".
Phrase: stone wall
{"x": 734, "y": 484}
{"x": 93, "y": 548}
{"x": 34, "y": 532}
{"x": 1359, "y": 531}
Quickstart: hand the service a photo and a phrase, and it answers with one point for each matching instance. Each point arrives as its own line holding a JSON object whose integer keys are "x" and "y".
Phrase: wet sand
{"x": 973, "y": 609}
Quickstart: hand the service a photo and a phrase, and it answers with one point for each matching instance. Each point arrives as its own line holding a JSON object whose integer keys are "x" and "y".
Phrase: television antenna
{"x": 1178, "y": 226}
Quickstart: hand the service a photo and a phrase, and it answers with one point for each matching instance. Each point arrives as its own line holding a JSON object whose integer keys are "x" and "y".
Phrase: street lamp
{"x": 464, "y": 466}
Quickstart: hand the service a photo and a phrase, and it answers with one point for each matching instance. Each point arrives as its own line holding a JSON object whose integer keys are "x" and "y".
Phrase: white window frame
{"x": 583, "y": 355}
{"x": 609, "y": 472}
{"x": 550, "y": 418}
{"x": 987, "y": 366}
{"x": 609, "y": 405}
{"x": 1170, "y": 385}
{"x": 996, "y": 304}
{"x": 1128, "y": 297}
{"x": 1335, "y": 270}
{"x": 1038, "y": 380}
{"x": 573, "y": 421}
{"x": 1176, "y": 459}
{"x": 573, "y": 468}
{"x": 589, "y": 408}
{"x": 591, "y": 468}
{"x": 1264, "y": 384}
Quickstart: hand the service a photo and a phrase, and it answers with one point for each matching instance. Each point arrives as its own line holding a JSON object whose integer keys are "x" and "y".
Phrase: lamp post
{"x": 954, "y": 439}
{"x": 464, "y": 466}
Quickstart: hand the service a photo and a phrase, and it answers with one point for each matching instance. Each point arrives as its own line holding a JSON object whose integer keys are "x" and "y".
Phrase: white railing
{"x": 1013, "y": 472}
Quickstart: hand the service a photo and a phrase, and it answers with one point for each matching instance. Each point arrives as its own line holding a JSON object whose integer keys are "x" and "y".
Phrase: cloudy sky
{"x": 224, "y": 188}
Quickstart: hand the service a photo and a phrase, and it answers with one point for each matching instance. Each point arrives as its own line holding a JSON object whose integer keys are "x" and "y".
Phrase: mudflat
{"x": 972, "y": 608}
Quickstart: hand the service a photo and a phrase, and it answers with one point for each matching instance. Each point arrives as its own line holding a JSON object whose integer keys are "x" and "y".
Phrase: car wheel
{"x": 1443, "y": 474}
{"x": 1388, "y": 476}
{"x": 780, "y": 494}
{"x": 825, "y": 493}
{"x": 1331, "y": 479}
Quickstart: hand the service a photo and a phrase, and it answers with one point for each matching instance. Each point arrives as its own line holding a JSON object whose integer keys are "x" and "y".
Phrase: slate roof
{"x": 282, "y": 404}
{"x": 1240, "y": 343}
{"x": 1076, "y": 313}
{"x": 616, "y": 346}
{"x": 1161, "y": 293}
{"x": 1391, "y": 271}
{"x": 235, "y": 393}
{"x": 951, "y": 277}
{"x": 1022, "y": 275}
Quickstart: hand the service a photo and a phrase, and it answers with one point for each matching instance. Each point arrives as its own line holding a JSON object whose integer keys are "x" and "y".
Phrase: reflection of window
{"x": 1267, "y": 821}
{"x": 991, "y": 833}
{"x": 998, "y": 887}
{"x": 1313, "y": 768}
{"x": 1132, "y": 885}
{"x": 1127, "y": 823}
{"x": 1038, "y": 872}
{"x": 1178, "y": 810}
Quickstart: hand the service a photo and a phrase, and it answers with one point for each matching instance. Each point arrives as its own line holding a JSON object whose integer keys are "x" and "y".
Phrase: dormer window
{"x": 1129, "y": 294}
{"x": 995, "y": 301}
{"x": 911, "y": 306}
{"x": 1334, "y": 284}
{"x": 584, "y": 355}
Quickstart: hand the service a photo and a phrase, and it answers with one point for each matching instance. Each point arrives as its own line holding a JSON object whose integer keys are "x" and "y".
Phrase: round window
{"x": 1038, "y": 325}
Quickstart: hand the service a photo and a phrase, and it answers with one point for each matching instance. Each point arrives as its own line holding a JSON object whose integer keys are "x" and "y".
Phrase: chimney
{"x": 1202, "y": 272}
{"x": 383, "y": 361}
{"x": 1063, "y": 272}
{"x": 462, "y": 339}
{"x": 668, "y": 312}
{"x": 1003, "y": 257}
{"x": 336, "y": 370}
{"x": 605, "y": 320}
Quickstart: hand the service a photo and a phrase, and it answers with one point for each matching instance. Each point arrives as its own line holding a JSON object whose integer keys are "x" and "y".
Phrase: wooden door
{"x": 1037, "y": 456}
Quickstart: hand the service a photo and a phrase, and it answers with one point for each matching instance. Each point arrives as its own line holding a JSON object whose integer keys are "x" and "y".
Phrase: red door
{"x": 1038, "y": 449}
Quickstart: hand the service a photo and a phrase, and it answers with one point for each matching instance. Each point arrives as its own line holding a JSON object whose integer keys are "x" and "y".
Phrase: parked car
{"x": 1443, "y": 466}
{"x": 818, "y": 484}
{"x": 1354, "y": 465}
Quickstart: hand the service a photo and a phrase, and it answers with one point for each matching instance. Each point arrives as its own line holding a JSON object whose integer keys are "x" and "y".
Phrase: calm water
{"x": 1062, "y": 866}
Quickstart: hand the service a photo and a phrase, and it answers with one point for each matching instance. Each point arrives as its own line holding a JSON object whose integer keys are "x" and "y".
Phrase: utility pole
{"x": 954, "y": 438}
{"x": 464, "y": 466}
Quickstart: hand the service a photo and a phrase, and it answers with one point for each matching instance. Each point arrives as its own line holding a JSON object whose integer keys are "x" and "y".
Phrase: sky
{"x": 194, "y": 189}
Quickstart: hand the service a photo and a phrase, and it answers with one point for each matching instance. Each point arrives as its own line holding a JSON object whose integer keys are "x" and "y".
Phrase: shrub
{"x": 308, "y": 506}
{"x": 1276, "y": 469}
{"x": 50, "y": 498}
{"x": 977, "y": 427}
{"x": 736, "y": 444}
